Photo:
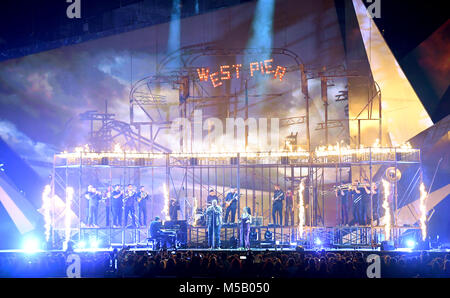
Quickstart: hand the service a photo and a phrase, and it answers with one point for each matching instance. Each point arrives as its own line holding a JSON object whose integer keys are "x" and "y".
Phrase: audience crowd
{"x": 319, "y": 264}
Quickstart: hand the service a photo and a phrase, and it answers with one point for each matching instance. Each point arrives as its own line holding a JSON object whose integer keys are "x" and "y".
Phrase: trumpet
{"x": 346, "y": 186}
{"x": 367, "y": 184}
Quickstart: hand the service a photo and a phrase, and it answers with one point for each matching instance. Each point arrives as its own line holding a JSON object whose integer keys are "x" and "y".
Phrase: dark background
{"x": 29, "y": 26}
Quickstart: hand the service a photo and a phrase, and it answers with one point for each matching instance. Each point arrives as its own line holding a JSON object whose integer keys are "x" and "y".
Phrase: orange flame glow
{"x": 387, "y": 210}
{"x": 423, "y": 211}
{"x": 301, "y": 209}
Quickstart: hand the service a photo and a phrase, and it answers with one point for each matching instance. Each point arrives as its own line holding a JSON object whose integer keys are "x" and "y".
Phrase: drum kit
{"x": 200, "y": 217}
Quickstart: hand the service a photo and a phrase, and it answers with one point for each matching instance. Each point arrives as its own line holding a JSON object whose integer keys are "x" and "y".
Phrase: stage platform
{"x": 227, "y": 251}
{"x": 261, "y": 237}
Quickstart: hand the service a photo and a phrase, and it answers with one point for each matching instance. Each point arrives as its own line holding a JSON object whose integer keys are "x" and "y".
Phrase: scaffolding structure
{"x": 189, "y": 176}
{"x": 254, "y": 174}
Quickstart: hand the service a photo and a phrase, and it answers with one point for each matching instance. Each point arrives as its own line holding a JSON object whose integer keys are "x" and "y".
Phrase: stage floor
{"x": 229, "y": 251}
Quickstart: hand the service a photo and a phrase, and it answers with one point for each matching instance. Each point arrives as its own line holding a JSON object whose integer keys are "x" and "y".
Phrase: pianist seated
{"x": 154, "y": 231}
{"x": 161, "y": 236}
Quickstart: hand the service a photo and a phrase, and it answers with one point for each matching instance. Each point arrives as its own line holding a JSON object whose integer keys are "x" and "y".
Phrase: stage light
{"x": 268, "y": 235}
{"x": 81, "y": 244}
{"x": 299, "y": 248}
{"x": 253, "y": 236}
{"x": 318, "y": 241}
{"x": 31, "y": 245}
{"x": 262, "y": 36}
{"x": 410, "y": 243}
{"x": 293, "y": 244}
{"x": 94, "y": 243}
{"x": 262, "y": 26}
{"x": 173, "y": 42}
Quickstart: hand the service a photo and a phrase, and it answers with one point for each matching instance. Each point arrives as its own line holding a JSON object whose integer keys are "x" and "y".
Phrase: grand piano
{"x": 170, "y": 234}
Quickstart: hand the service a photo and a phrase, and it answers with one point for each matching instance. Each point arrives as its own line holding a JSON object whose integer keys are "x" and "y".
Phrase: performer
{"x": 154, "y": 231}
{"x": 246, "y": 220}
{"x": 277, "y": 205}
{"x": 142, "y": 198}
{"x": 343, "y": 194}
{"x": 173, "y": 209}
{"x": 365, "y": 201}
{"x": 231, "y": 202}
{"x": 116, "y": 202}
{"x": 107, "y": 199}
{"x": 214, "y": 223}
{"x": 212, "y": 196}
{"x": 356, "y": 195}
{"x": 289, "y": 214}
{"x": 129, "y": 202}
{"x": 93, "y": 196}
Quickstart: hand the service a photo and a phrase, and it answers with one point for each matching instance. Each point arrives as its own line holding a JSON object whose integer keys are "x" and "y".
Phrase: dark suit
{"x": 142, "y": 207}
{"x": 344, "y": 205}
{"x": 173, "y": 210}
{"x": 154, "y": 233}
{"x": 117, "y": 207}
{"x": 277, "y": 207}
{"x": 289, "y": 215}
{"x": 94, "y": 198}
{"x": 130, "y": 199}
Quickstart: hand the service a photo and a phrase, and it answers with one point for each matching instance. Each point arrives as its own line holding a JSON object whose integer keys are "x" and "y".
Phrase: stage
{"x": 261, "y": 237}
{"x": 303, "y": 121}
{"x": 281, "y": 249}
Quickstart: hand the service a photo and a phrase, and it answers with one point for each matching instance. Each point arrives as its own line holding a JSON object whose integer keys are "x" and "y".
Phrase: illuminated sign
{"x": 228, "y": 72}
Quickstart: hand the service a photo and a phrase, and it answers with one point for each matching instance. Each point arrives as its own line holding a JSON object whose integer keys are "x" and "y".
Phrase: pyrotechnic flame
{"x": 336, "y": 150}
{"x": 387, "y": 213}
{"x": 340, "y": 149}
{"x": 301, "y": 209}
{"x": 165, "y": 210}
{"x": 423, "y": 211}
{"x": 46, "y": 206}
{"x": 194, "y": 212}
{"x": 67, "y": 214}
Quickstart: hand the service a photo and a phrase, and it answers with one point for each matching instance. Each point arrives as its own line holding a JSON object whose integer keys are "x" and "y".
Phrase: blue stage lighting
{"x": 262, "y": 26}
{"x": 31, "y": 245}
{"x": 262, "y": 36}
{"x": 318, "y": 241}
{"x": 173, "y": 43}
{"x": 81, "y": 244}
{"x": 410, "y": 243}
{"x": 93, "y": 243}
